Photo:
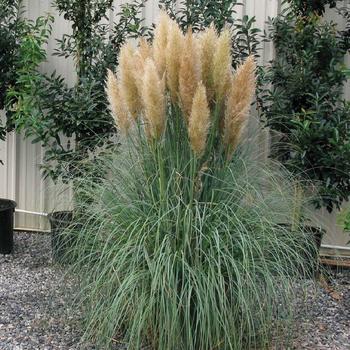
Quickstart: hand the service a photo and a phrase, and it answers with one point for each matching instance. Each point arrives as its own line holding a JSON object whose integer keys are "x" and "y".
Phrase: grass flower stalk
{"x": 199, "y": 121}
{"x": 207, "y": 41}
{"x": 128, "y": 82}
{"x": 221, "y": 64}
{"x": 242, "y": 87}
{"x": 117, "y": 105}
{"x": 160, "y": 42}
{"x": 189, "y": 73}
{"x": 153, "y": 100}
{"x": 173, "y": 60}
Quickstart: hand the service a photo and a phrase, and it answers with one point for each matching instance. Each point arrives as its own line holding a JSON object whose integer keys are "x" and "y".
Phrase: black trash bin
{"x": 7, "y": 209}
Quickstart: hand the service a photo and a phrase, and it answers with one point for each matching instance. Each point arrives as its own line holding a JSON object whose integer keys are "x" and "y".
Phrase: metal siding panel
{"x": 240, "y": 9}
{"x": 151, "y": 12}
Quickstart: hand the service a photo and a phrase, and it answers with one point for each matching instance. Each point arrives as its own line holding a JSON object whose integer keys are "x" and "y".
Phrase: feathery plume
{"x": 189, "y": 74}
{"x": 153, "y": 100}
{"x": 160, "y": 42}
{"x": 173, "y": 54}
{"x": 145, "y": 49}
{"x": 117, "y": 105}
{"x": 238, "y": 103}
{"x": 143, "y": 52}
{"x": 207, "y": 42}
{"x": 128, "y": 83}
{"x": 199, "y": 121}
{"x": 221, "y": 64}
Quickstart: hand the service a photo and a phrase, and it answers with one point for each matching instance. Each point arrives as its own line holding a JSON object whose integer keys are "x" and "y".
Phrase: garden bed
{"x": 35, "y": 312}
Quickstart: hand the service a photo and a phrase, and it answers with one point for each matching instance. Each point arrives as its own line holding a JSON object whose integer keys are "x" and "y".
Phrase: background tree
{"x": 10, "y": 26}
{"x": 307, "y": 7}
{"x": 51, "y": 111}
{"x": 305, "y": 106}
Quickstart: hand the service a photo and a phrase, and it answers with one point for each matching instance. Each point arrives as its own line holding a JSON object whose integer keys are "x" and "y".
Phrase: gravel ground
{"x": 35, "y": 312}
{"x": 324, "y": 314}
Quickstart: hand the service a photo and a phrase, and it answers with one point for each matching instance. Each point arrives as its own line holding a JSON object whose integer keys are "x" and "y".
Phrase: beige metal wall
{"x": 20, "y": 177}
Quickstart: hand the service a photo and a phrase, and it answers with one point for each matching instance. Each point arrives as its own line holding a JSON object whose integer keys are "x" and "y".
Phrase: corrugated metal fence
{"x": 20, "y": 178}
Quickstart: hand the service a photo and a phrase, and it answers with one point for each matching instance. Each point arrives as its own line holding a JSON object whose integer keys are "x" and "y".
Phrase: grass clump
{"x": 179, "y": 246}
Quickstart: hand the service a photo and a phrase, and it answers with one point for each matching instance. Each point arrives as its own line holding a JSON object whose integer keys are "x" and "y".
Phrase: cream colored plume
{"x": 190, "y": 72}
{"x": 221, "y": 63}
{"x": 143, "y": 52}
{"x": 128, "y": 82}
{"x": 145, "y": 49}
{"x": 173, "y": 58}
{"x": 117, "y": 105}
{"x": 207, "y": 40}
{"x": 199, "y": 121}
{"x": 153, "y": 101}
{"x": 238, "y": 103}
{"x": 160, "y": 41}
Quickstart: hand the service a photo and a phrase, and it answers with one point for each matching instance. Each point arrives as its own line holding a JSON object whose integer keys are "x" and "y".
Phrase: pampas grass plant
{"x": 179, "y": 247}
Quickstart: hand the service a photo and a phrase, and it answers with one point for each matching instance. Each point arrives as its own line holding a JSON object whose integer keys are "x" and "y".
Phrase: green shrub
{"x": 52, "y": 111}
{"x": 9, "y": 29}
{"x": 343, "y": 220}
{"x": 10, "y": 26}
{"x": 305, "y": 7}
{"x": 305, "y": 107}
{"x": 180, "y": 246}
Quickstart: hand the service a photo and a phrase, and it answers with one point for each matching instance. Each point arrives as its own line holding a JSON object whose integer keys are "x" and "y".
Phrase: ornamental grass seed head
{"x": 116, "y": 103}
{"x": 160, "y": 42}
{"x": 174, "y": 50}
{"x": 128, "y": 83}
{"x": 189, "y": 73}
{"x": 207, "y": 43}
{"x": 139, "y": 60}
{"x": 199, "y": 121}
{"x": 153, "y": 100}
{"x": 238, "y": 103}
{"x": 222, "y": 62}
{"x": 193, "y": 73}
{"x": 144, "y": 49}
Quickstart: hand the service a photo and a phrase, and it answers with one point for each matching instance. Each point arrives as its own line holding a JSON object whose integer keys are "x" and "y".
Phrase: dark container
{"x": 60, "y": 241}
{"x": 7, "y": 209}
{"x": 317, "y": 234}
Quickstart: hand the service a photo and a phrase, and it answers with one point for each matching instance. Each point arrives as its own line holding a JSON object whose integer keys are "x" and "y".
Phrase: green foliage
{"x": 305, "y": 105}
{"x": 176, "y": 260}
{"x": 10, "y": 26}
{"x": 50, "y": 110}
{"x": 306, "y": 7}
{"x": 200, "y": 14}
{"x": 343, "y": 219}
